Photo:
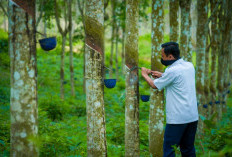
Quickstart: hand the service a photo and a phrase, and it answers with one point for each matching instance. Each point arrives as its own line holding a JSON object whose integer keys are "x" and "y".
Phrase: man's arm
{"x": 145, "y": 73}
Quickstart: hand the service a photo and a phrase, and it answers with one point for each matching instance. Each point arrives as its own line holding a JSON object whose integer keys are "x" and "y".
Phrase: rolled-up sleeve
{"x": 166, "y": 79}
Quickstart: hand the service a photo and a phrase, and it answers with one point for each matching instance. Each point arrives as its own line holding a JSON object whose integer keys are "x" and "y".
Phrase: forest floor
{"x": 62, "y": 124}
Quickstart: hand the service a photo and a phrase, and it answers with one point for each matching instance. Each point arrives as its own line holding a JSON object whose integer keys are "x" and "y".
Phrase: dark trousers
{"x": 182, "y": 135}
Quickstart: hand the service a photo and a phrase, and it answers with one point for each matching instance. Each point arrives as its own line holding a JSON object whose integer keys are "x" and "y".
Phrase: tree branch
{"x": 3, "y": 9}
{"x": 58, "y": 19}
{"x": 106, "y": 4}
{"x": 40, "y": 14}
{"x": 82, "y": 12}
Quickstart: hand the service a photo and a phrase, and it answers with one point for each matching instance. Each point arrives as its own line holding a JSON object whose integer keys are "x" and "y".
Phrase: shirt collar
{"x": 176, "y": 62}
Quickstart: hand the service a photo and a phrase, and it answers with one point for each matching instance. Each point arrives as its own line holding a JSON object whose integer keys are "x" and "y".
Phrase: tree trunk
{"x": 200, "y": 55}
{"x": 116, "y": 53}
{"x": 123, "y": 36}
{"x": 206, "y": 82}
{"x": 214, "y": 49}
{"x": 132, "y": 84}
{"x": 5, "y": 21}
{"x": 112, "y": 36}
{"x": 123, "y": 49}
{"x": 45, "y": 28}
{"x": 185, "y": 29}
{"x": 71, "y": 49}
{"x": 227, "y": 45}
{"x": 63, "y": 34}
{"x": 23, "y": 99}
{"x": 230, "y": 59}
{"x": 62, "y": 68}
{"x": 94, "y": 64}
{"x": 173, "y": 16}
{"x": 221, "y": 60}
{"x": 81, "y": 10}
{"x": 156, "y": 113}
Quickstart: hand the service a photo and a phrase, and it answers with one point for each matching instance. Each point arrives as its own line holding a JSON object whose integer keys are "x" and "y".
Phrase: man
{"x": 181, "y": 103}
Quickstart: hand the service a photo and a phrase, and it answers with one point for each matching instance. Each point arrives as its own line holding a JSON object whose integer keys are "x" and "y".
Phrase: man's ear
{"x": 170, "y": 56}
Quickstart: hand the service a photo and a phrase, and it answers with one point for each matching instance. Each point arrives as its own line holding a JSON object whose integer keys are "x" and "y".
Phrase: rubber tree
{"x": 221, "y": 58}
{"x": 214, "y": 54}
{"x": 63, "y": 33}
{"x": 113, "y": 35}
{"x": 230, "y": 58}
{"x": 23, "y": 98}
{"x": 81, "y": 8}
{"x": 185, "y": 31}
{"x": 116, "y": 51}
{"x": 123, "y": 28}
{"x": 132, "y": 84}
{"x": 94, "y": 66}
{"x": 71, "y": 48}
{"x": 227, "y": 45}
{"x": 202, "y": 16}
{"x": 3, "y": 5}
{"x": 156, "y": 113}
{"x": 206, "y": 80}
{"x": 173, "y": 18}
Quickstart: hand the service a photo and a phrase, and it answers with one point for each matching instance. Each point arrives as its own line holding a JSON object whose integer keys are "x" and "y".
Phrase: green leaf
{"x": 2, "y": 142}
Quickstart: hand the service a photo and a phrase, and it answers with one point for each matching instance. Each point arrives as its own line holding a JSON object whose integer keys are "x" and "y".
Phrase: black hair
{"x": 171, "y": 48}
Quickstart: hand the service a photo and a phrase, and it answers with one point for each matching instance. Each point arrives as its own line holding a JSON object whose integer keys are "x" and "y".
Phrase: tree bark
{"x": 71, "y": 49}
{"x": 202, "y": 14}
{"x": 227, "y": 45}
{"x": 123, "y": 50}
{"x": 63, "y": 34}
{"x": 214, "y": 50}
{"x": 116, "y": 52}
{"x": 81, "y": 10}
{"x": 94, "y": 68}
{"x": 23, "y": 99}
{"x": 113, "y": 34}
{"x": 206, "y": 80}
{"x": 132, "y": 84}
{"x": 156, "y": 113}
{"x": 221, "y": 59}
{"x": 174, "y": 20}
{"x": 123, "y": 37}
{"x": 185, "y": 34}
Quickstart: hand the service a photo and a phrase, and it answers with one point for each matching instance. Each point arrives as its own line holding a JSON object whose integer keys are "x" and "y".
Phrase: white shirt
{"x": 181, "y": 101}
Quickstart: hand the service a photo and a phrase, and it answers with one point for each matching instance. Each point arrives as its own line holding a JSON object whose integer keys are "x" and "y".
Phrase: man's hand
{"x": 156, "y": 74}
{"x": 145, "y": 71}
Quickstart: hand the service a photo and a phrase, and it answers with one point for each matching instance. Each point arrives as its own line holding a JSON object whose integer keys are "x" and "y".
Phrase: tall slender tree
{"x": 132, "y": 86}
{"x": 113, "y": 34}
{"x": 23, "y": 99}
{"x": 227, "y": 45}
{"x": 185, "y": 34}
{"x": 214, "y": 49}
{"x": 81, "y": 9}
{"x": 94, "y": 66}
{"x": 173, "y": 18}
{"x": 116, "y": 51}
{"x": 230, "y": 58}
{"x": 63, "y": 33}
{"x": 156, "y": 114}
{"x": 123, "y": 33}
{"x": 71, "y": 48}
{"x": 221, "y": 58}
{"x": 202, "y": 16}
{"x": 206, "y": 80}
